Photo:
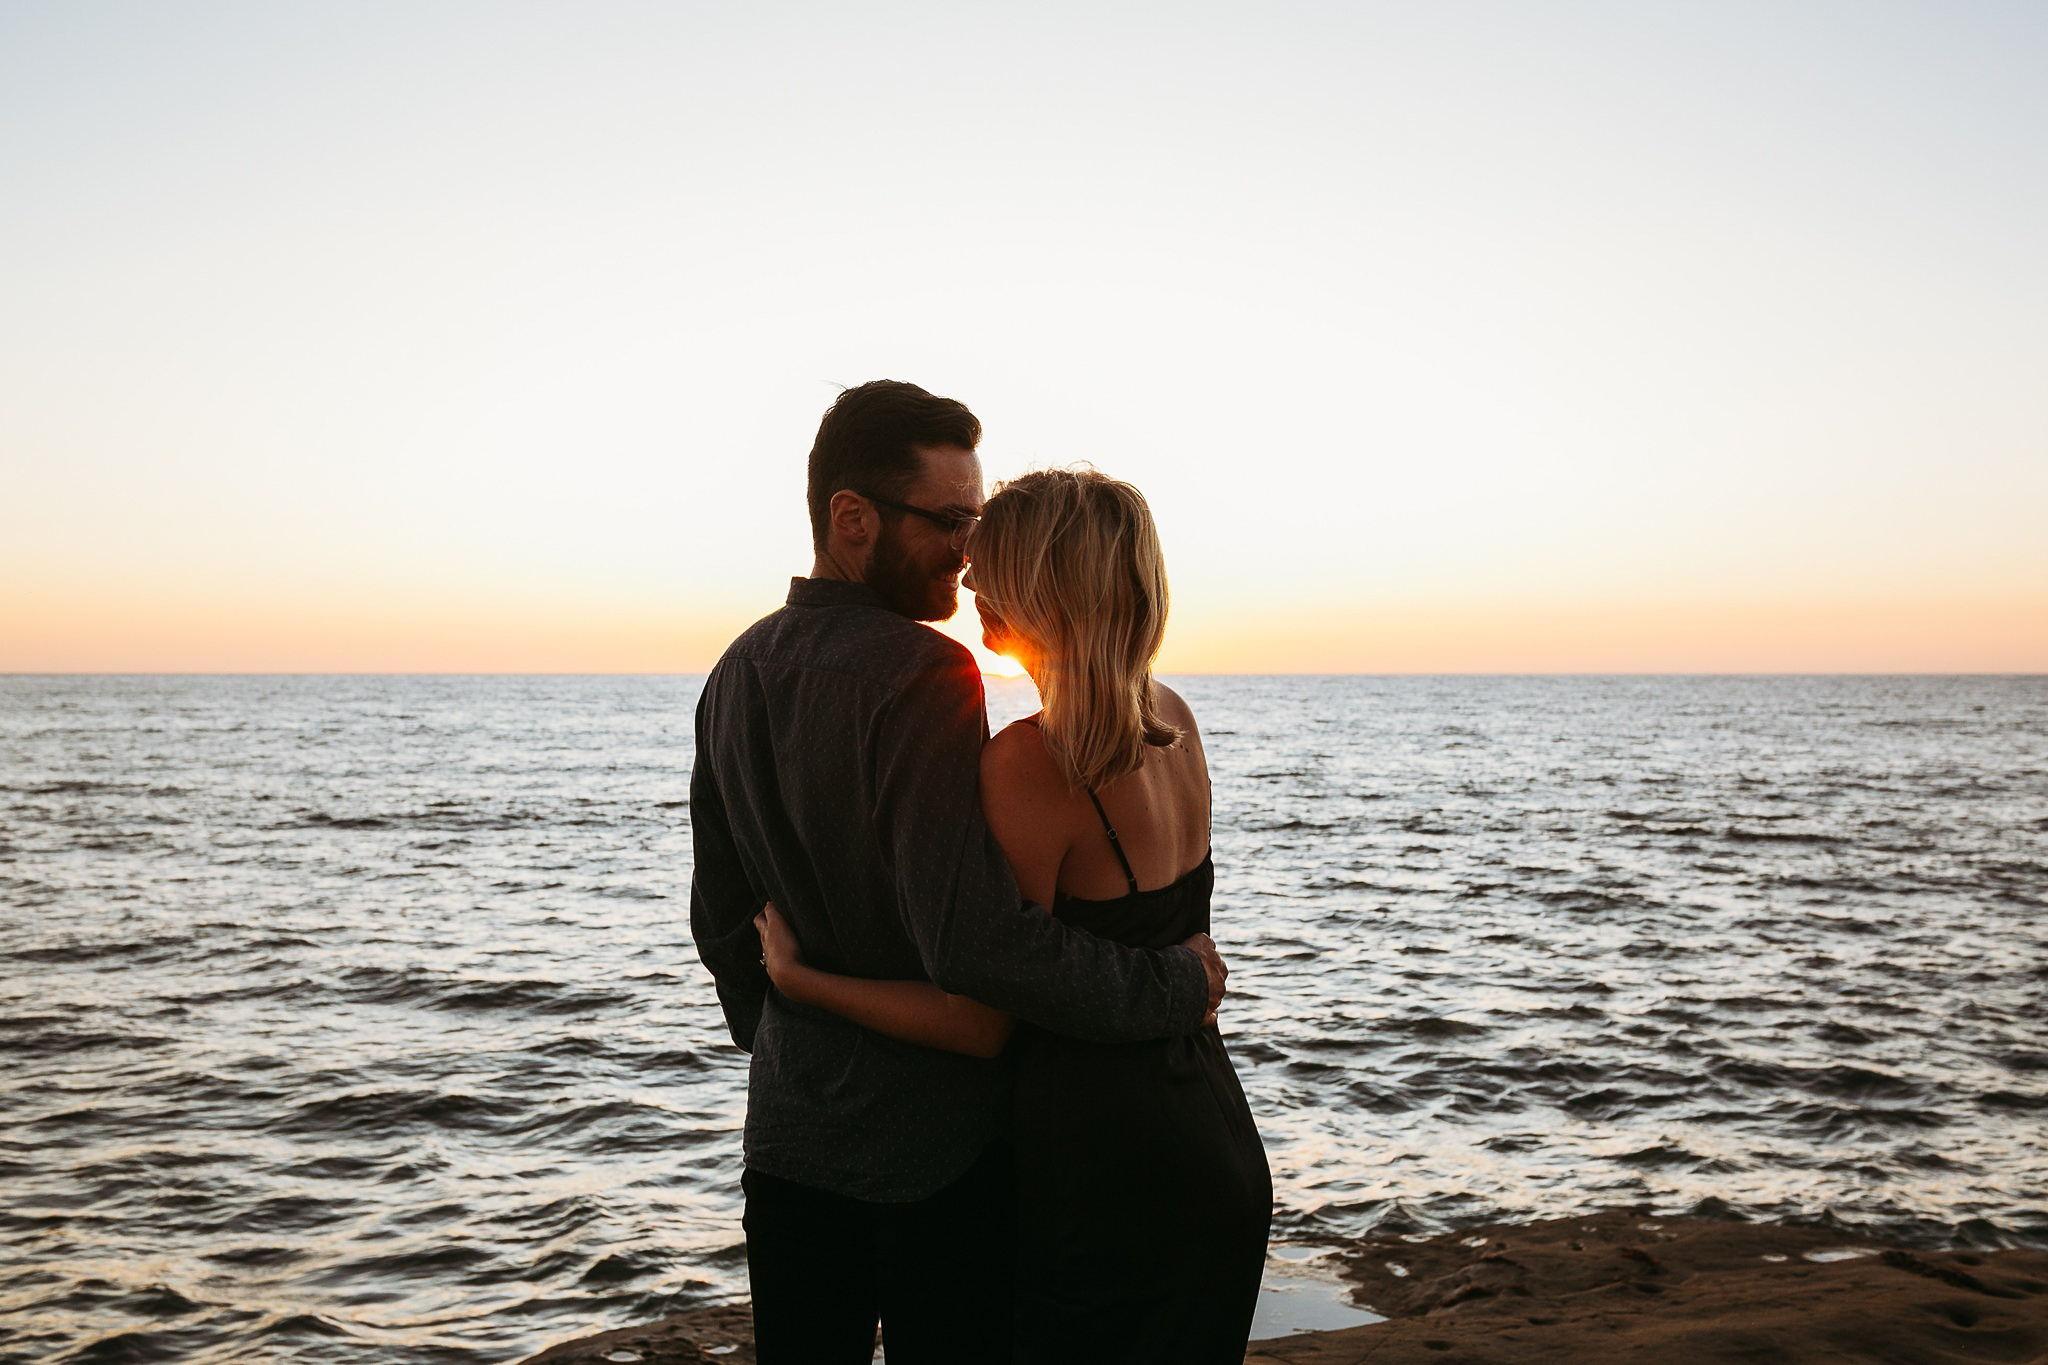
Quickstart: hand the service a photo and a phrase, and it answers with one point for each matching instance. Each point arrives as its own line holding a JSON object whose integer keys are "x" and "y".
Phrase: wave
{"x": 359, "y": 1012}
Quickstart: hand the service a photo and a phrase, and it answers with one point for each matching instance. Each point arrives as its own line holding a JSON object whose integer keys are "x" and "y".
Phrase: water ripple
{"x": 354, "y": 1019}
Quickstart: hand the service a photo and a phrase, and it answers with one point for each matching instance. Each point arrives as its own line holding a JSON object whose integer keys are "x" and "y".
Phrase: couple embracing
{"x": 988, "y": 1107}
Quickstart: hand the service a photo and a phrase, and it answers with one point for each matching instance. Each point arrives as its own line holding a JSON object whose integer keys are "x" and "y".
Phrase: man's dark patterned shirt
{"x": 837, "y": 772}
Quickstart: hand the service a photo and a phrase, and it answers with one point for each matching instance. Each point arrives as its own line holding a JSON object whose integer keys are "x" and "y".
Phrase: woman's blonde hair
{"x": 1068, "y": 561}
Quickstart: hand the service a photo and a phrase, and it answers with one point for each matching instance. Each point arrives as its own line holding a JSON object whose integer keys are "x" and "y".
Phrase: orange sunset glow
{"x": 1901, "y": 636}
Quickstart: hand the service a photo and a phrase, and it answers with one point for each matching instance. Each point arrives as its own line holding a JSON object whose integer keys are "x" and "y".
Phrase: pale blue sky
{"x": 531, "y": 308}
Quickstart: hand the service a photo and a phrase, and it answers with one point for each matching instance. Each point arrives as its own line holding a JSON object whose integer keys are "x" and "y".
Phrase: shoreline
{"x": 1606, "y": 1287}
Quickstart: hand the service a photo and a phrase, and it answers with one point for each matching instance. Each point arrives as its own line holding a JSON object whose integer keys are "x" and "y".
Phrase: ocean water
{"x": 355, "y": 1019}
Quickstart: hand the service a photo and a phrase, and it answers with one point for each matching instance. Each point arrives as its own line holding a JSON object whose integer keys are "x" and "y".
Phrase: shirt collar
{"x": 831, "y": 592}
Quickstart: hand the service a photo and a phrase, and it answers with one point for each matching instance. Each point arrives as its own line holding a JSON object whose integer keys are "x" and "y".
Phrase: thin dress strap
{"x": 1116, "y": 845}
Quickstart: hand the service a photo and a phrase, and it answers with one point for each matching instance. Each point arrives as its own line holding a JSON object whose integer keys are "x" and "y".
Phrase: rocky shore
{"x": 1610, "y": 1287}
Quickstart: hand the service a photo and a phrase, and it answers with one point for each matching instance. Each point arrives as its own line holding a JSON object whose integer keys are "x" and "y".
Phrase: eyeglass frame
{"x": 957, "y": 525}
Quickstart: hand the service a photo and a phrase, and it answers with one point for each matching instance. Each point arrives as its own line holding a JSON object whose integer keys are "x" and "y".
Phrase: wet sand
{"x": 1611, "y": 1287}
{"x": 1622, "y": 1287}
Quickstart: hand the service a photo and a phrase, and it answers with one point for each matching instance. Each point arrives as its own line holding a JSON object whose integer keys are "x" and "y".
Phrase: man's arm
{"x": 974, "y": 932}
{"x": 722, "y": 903}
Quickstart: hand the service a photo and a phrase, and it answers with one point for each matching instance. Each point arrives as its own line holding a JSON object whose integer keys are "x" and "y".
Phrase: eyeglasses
{"x": 956, "y": 525}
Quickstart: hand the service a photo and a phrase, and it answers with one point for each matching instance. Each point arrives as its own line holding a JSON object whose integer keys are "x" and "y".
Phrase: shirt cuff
{"x": 1187, "y": 990}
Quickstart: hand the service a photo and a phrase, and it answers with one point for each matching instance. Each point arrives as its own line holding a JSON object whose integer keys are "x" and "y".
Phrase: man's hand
{"x": 1212, "y": 963}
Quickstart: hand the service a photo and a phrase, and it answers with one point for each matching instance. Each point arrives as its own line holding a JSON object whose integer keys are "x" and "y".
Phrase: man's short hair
{"x": 868, "y": 442}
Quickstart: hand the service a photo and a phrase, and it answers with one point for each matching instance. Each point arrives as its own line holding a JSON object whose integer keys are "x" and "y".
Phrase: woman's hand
{"x": 779, "y": 951}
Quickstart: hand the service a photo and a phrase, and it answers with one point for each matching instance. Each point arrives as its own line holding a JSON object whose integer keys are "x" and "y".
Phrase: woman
{"x": 1144, "y": 1195}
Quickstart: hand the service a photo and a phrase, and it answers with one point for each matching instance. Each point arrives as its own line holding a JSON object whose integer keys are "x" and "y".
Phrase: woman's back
{"x": 1057, "y": 837}
{"x": 1144, "y": 1194}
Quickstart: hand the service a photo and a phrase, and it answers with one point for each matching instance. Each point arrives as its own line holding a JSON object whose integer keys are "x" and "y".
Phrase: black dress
{"x": 1144, "y": 1193}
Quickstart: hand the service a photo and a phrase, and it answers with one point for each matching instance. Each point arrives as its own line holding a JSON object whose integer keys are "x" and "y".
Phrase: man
{"x": 838, "y": 757}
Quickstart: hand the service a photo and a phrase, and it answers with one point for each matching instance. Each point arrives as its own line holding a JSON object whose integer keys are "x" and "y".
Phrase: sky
{"x": 1462, "y": 336}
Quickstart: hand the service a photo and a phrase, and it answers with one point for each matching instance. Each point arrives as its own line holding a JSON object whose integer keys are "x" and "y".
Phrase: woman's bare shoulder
{"x": 1016, "y": 759}
{"x": 1171, "y": 704}
{"x": 1175, "y": 711}
{"x": 1024, "y": 799}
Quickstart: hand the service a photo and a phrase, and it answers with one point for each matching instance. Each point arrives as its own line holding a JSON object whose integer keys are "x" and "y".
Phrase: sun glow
{"x": 966, "y": 628}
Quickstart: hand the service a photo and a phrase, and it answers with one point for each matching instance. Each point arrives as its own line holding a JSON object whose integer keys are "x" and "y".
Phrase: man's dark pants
{"x": 938, "y": 1274}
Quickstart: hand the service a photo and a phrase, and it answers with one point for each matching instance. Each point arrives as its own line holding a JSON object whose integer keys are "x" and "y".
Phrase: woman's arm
{"x": 911, "y": 1011}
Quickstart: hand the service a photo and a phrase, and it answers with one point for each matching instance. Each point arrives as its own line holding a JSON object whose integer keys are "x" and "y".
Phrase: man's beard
{"x": 906, "y": 588}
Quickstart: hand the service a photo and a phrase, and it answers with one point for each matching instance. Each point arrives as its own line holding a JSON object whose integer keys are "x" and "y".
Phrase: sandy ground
{"x": 1612, "y": 1287}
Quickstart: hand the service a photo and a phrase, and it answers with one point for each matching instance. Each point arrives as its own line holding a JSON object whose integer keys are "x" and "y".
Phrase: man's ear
{"x": 853, "y": 520}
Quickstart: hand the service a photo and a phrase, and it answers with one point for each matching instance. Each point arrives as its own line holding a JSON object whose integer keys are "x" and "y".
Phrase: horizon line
{"x": 1001, "y": 677}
